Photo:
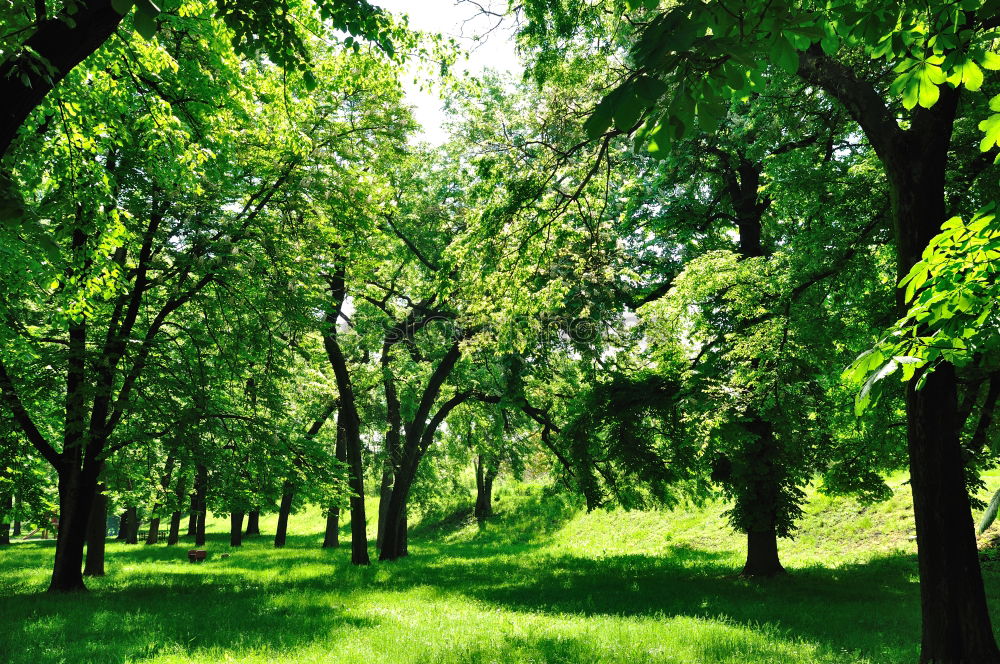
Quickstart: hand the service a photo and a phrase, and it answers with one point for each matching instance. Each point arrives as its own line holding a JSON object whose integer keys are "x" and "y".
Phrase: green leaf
{"x": 991, "y": 127}
{"x": 145, "y": 25}
{"x": 784, "y": 55}
{"x": 990, "y": 515}
{"x": 122, "y": 6}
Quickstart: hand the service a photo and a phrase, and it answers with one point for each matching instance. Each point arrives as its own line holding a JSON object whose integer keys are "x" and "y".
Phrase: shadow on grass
{"x": 274, "y": 599}
{"x": 142, "y": 621}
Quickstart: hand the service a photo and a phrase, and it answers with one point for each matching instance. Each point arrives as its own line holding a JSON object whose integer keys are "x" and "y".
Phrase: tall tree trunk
{"x": 348, "y": 420}
{"x": 97, "y": 534}
{"x": 199, "y": 531}
{"x": 236, "y": 528}
{"x": 6, "y": 507}
{"x": 253, "y": 523}
{"x": 174, "y": 535}
{"x": 284, "y": 509}
{"x": 955, "y": 618}
{"x": 384, "y": 495}
{"x": 331, "y": 537}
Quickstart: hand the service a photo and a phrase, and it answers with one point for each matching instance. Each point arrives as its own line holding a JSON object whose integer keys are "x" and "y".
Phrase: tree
{"x": 709, "y": 54}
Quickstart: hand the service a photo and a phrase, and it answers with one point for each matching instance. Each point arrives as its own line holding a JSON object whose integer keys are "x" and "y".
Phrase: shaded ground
{"x": 529, "y": 587}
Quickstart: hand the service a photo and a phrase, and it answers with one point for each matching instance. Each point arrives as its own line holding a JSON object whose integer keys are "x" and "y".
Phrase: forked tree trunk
{"x": 284, "y": 510}
{"x": 485, "y": 475}
{"x": 253, "y": 523}
{"x": 236, "y": 529}
{"x": 97, "y": 534}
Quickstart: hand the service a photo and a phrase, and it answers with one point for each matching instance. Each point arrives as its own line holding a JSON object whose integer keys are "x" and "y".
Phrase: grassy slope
{"x": 542, "y": 582}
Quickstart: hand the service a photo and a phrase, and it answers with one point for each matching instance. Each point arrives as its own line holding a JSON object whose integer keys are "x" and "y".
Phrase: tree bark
{"x": 348, "y": 420}
{"x": 762, "y": 554}
{"x": 485, "y": 474}
{"x": 192, "y": 524}
{"x": 331, "y": 537}
{"x": 76, "y": 497}
{"x": 132, "y": 536}
{"x": 64, "y": 41}
{"x": 236, "y": 529}
{"x": 253, "y": 523}
{"x": 955, "y": 618}
{"x": 153, "y": 536}
{"x": 284, "y": 509}
{"x": 122, "y": 527}
{"x": 174, "y": 535}
{"x": 97, "y": 534}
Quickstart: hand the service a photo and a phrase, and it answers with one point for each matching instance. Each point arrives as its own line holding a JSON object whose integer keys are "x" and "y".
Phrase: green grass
{"x": 542, "y": 582}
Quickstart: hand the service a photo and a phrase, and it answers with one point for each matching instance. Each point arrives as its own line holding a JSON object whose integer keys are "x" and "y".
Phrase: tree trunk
{"x": 955, "y": 616}
{"x": 97, "y": 534}
{"x": 6, "y": 507}
{"x": 63, "y": 42}
{"x": 192, "y": 526}
{"x": 199, "y": 531}
{"x": 154, "y": 528}
{"x": 253, "y": 523}
{"x": 394, "y": 538}
{"x": 762, "y": 554}
{"x": 284, "y": 509}
{"x": 122, "y": 527}
{"x": 201, "y": 503}
{"x": 17, "y": 517}
{"x": 76, "y": 498}
{"x": 331, "y": 538}
{"x": 485, "y": 474}
{"x": 175, "y": 529}
{"x": 384, "y": 494}
{"x": 236, "y": 529}
{"x": 132, "y": 536}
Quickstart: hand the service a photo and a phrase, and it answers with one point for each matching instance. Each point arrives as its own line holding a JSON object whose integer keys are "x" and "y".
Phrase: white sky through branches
{"x": 465, "y": 22}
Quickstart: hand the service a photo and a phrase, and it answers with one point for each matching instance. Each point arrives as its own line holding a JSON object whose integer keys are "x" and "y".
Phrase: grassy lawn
{"x": 542, "y": 582}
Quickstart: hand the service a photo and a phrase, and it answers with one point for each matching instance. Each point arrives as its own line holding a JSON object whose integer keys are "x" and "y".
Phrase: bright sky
{"x": 494, "y": 48}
